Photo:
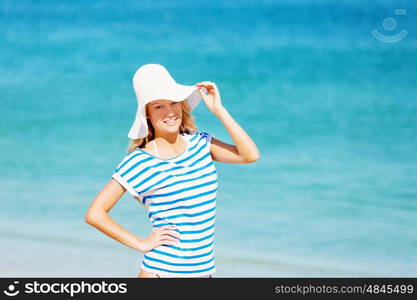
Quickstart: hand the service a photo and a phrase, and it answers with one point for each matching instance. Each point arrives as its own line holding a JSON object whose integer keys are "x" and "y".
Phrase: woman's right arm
{"x": 98, "y": 217}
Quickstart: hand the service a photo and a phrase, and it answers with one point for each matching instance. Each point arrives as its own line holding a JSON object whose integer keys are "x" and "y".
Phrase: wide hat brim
{"x": 175, "y": 92}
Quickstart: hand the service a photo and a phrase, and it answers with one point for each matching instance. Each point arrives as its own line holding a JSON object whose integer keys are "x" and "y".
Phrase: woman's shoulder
{"x": 196, "y": 133}
{"x": 199, "y": 135}
{"x": 147, "y": 149}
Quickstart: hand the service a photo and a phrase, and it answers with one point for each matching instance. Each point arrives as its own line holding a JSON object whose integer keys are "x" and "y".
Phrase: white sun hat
{"x": 152, "y": 82}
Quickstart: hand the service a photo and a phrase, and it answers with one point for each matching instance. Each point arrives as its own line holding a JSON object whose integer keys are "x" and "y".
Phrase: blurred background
{"x": 327, "y": 89}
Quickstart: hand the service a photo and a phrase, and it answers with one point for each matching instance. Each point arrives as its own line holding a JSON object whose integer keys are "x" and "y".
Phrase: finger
{"x": 210, "y": 87}
{"x": 162, "y": 229}
{"x": 169, "y": 238}
{"x": 167, "y": 227}
{"x": 171, "y": 233}
{"x": 204, "y": 84}
{"x": 165, "y": 243}
{"x": 168, "y": 243}
{"x": 203, "y": 91}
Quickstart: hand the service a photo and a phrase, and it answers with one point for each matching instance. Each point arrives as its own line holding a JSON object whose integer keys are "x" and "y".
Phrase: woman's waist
{"x": 190, "y": 238}
{"x": 186, "y": 223}
{"x": 182, "y": 256}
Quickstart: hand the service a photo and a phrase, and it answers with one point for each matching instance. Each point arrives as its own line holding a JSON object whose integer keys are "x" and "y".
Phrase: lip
{"x": 170, "y": 121}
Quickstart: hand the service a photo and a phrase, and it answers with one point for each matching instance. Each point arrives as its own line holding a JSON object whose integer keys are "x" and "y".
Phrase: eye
{"x": 175, "y": 103}
{"x": 157, "y": 106}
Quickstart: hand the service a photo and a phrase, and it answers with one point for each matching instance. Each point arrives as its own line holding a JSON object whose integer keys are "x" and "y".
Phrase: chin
{"x": 169, "y": 129}
{"x": 172, "y": 130}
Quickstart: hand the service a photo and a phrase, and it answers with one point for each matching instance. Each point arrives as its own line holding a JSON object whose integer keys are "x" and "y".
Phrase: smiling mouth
{"x": 171, "y": 122}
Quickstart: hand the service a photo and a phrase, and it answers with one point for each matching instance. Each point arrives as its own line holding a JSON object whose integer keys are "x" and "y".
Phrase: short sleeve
{"x": 207, "y": 137}
{"x": 124, "y": 172}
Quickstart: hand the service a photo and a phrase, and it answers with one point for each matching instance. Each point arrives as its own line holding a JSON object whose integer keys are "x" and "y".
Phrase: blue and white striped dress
{"x": 182, "y": 191}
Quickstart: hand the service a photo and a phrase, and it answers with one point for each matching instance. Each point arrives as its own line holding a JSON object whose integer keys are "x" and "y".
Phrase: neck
{"x": 167, "y": 141}
{"x": 168, "y": 138}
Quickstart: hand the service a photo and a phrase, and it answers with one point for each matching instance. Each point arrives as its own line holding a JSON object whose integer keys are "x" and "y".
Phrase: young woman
{"x": 169, "y": 169}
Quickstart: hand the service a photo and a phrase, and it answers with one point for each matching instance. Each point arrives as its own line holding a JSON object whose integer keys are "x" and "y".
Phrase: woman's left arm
{"x": 244, "y": 150}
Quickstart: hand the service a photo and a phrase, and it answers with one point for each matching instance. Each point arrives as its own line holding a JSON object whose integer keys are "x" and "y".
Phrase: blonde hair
{"x": 187, "y": 124}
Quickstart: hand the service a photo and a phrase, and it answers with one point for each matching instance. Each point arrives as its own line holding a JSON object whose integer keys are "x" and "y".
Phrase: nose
{"x": 170, "y": 111}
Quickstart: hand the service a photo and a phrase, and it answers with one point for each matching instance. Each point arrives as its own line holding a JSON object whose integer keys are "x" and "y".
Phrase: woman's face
{"x": 165, "y": 115}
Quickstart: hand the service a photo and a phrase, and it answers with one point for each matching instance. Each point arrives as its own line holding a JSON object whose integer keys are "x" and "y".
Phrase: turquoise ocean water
{"x": 332, "y": 109}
